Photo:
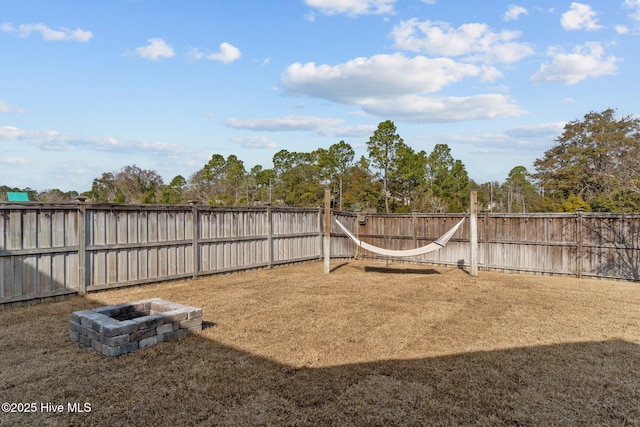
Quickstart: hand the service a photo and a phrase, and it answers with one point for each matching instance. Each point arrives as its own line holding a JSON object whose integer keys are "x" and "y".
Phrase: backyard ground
{"x": 370, "y": 344}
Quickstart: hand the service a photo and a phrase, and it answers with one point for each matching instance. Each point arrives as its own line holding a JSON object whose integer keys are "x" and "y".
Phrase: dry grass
{"x": 366, "y": 345}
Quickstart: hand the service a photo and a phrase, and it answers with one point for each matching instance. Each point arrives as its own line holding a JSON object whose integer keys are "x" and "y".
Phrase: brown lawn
{"x": 367, "y": 345}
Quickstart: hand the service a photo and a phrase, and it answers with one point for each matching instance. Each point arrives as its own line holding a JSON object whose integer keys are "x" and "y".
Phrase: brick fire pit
{"x": 118, "y": 329}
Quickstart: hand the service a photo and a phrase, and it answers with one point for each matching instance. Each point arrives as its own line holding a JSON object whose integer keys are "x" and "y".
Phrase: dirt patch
{"x": 368, "y": 344}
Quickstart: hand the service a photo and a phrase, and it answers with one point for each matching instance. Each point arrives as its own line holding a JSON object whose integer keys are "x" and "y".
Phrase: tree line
{"x": 594, "y": 166}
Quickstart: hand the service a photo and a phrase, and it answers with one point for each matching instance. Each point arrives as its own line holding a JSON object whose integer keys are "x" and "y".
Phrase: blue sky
{"x": 88, "y": 87}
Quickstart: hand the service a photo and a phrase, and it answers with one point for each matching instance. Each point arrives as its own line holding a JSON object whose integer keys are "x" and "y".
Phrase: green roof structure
{"x": 14, "y": 196}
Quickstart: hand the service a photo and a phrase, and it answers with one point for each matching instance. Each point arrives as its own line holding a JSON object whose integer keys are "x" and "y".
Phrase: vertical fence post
{"x": 269, "y": 236}
{"x": 82, "y": 245}
{"x": 473, "y": 239}
{"x": 195, "y": 230}
{"x": 579, "y": 220}
{"x": 327, "y": 231}
{"x": 320, "y": 224}
{"x": 414, "y": 219}
{"x": 487, "y": 244}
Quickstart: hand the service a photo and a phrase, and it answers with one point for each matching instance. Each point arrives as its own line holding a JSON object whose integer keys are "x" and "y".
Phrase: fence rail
{"x": 56, "y": 249}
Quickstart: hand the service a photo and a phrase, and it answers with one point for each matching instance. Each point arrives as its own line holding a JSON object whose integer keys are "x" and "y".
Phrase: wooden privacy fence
{"x": 48, "y": 250}
{"x": 582, "y": 244}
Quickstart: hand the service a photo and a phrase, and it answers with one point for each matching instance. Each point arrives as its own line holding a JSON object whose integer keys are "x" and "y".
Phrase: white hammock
{"x": 431, "y": 247}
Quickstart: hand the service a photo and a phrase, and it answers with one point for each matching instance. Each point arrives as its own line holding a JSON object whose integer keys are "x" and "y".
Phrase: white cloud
{"x": 414, "y": 108}
{"x": 381, "y": 76}
{"x": 429, "y": 1}
{"x": 13, "y": 161}
{"x": 395, "y": 86}
{"x": 352, "y": 7}
{"x": 542, "y": 130}
{"x": 472, "y": 42}
{"x": 586, "y": 61}
{"x": 149, "y": 147}
{"x": 10, "y": 132}
{"x": 6, "y": 108}
{"x": 321, "y": 126}
{"x": 580, "y": 17}
{"x": 286, "y": 123}
{"x": 622, "y": 29}
{"x": 228, "y": 53}
{"x": 195, "y": 54}
{"x": 48, "y": 34}
{"x": 634, "y": 5}
{"x": 51, "y": 140}
{"x": 514, "y": 12}
{"x": 347, "y": 131}
{"x": 256, "y": 141}
{"x": 156, "y": 49}
{"x": 262, "y": 62}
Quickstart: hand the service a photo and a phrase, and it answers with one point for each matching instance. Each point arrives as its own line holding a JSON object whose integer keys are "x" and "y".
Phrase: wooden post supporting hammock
{"x": 327, "y": 231}
{"x": 473, "y": 237}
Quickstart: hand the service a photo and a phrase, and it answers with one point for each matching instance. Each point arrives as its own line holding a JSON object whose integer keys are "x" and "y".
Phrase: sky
{"x": 90, "y": 86}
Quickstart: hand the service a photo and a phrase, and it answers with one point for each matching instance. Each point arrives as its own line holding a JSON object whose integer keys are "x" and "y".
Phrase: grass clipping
{"x": 369, "y": 344}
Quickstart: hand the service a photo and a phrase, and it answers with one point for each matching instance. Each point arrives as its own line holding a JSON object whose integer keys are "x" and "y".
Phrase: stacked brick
{"x": 119, "y": 329}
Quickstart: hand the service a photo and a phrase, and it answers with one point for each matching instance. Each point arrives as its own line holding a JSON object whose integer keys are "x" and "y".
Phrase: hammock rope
{"x": 431, "y": 247}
